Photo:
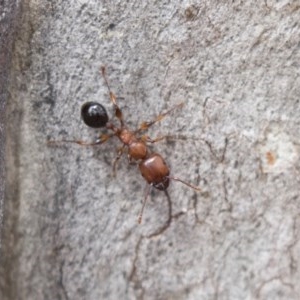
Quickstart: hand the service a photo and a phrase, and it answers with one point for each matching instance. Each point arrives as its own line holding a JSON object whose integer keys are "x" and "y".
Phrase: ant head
{"x": 94, "y": 114}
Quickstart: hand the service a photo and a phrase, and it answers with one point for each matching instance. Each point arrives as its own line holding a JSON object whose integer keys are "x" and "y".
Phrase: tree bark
{"x": 70, "y": 229}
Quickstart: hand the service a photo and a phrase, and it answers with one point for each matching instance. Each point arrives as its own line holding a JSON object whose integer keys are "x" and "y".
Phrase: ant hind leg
{"x": 169, "y": 220}
{"x": 148, "y": 189}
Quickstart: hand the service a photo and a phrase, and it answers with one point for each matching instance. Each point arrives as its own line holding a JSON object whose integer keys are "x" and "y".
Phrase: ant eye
{"x": 94, "y": 114}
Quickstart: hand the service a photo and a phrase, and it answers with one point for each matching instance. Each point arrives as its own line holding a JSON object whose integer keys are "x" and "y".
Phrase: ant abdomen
{"x": 94, "y": 114}
{"x": 155, "y": 171}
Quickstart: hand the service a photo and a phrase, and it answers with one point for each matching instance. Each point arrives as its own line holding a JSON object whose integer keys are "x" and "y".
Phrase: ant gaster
{"x": 151, "y": 165}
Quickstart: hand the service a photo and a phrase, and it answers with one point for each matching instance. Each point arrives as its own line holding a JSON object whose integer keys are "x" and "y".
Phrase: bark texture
{"x": 70, "y": 228}
{"x": 8, "y": 19}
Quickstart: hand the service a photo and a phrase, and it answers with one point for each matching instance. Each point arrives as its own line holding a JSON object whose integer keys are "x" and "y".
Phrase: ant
{"x": 151, "y": 165}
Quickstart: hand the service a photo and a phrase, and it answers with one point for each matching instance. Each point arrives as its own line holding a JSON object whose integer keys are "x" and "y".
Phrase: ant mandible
{"x": 151, "y": 165}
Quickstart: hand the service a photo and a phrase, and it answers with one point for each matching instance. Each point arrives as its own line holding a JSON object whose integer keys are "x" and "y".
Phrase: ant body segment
{"x": 151, "y": 165}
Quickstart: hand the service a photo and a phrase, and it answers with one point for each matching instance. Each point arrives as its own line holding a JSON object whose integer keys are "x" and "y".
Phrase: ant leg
{"x": 148, "y": 189}
{"x": 145, "y": 138}
{"x": 102, "y": 139}
{"x": 168, "y": 222}
{"x": 184, "y": 182}
{"x": 113, "y": 99}
{"x": 120, "y": 153}
{"x": 146, "y": 125}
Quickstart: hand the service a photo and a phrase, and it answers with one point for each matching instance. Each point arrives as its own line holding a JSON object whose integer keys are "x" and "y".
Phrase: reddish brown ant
{"x": 151, "y": 165}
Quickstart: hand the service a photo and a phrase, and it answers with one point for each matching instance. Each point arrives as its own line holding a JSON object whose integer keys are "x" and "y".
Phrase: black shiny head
{"x": 94, "y": 114}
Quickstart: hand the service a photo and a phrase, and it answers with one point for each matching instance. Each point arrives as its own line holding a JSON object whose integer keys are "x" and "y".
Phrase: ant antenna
{"x": 105, "y": 79}
{"x": 184, "y": 182}
{"x": 112, "y": 97}
{"x": 148, "y": 189}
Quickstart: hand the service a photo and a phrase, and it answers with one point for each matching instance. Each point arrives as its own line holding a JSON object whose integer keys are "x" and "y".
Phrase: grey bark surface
{"x": 70, "y": 229}
{"x": 8, "y": 20}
